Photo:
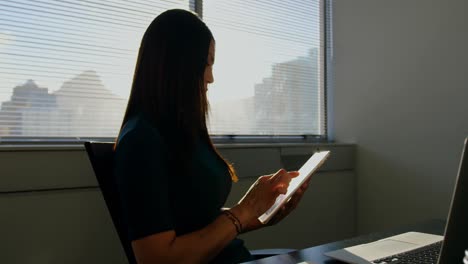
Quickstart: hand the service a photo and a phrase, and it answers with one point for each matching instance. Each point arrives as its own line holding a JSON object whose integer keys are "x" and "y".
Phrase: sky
{"x": 53, "y": 43}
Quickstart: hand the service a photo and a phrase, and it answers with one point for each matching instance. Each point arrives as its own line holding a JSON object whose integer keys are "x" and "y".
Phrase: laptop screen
{"x": 456, "y": 232}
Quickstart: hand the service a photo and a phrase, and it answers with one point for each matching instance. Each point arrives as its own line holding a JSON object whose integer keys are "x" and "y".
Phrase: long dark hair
{"x": 168, "y": 84}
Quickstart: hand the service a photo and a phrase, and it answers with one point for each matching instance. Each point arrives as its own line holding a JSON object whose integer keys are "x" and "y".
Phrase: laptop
{"x": 415, "y": 247}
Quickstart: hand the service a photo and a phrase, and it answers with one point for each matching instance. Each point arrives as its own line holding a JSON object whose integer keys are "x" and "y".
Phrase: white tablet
{"x": 311, "y": 165}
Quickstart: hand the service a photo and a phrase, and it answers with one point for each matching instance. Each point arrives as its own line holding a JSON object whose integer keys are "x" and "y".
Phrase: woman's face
{"x": 208, "y": 77}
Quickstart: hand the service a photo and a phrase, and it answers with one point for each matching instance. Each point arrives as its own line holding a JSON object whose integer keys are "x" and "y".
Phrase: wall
{"x": 401, "y": 90}
{"x": 52, "y": 210}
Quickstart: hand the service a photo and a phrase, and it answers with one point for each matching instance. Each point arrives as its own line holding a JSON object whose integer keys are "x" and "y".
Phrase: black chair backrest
{"x": 101, "y": 155}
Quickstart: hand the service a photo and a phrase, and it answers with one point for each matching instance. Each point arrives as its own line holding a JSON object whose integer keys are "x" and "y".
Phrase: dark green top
{"x": 154, "y": 199}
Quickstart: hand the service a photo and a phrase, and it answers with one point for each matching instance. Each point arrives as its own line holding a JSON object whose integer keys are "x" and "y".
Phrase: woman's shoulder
{"x": 138, "y": 130}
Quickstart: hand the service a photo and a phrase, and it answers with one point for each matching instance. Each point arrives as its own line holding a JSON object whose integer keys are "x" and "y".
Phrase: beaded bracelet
{"x": 234, "y": 220}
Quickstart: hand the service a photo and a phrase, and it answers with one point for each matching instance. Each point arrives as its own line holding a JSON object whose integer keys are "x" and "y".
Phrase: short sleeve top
{"x": 154, "y": 199}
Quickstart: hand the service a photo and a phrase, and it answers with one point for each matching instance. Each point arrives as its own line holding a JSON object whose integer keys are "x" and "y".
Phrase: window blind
{"x": 269, "y": 69}
{"x": 66, "y": 66}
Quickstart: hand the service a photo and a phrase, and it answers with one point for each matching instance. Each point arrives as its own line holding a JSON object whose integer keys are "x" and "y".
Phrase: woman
{"x": 172, "y": 181}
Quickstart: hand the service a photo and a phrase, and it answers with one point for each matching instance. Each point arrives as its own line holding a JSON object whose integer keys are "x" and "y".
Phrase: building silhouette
{"x": 288, "y": 102}
{"x": 285, "y": 103}
{"x": 87, "y": 108}
{"x": 29, "y": 107}
{"x": 82, "y": 107}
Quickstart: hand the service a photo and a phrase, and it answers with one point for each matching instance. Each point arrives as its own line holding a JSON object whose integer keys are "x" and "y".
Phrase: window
{"x": 66, "y": 66}
{"x": 268, "y": 70}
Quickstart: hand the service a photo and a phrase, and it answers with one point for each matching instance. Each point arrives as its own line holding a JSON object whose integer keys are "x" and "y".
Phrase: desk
{"x": 315, "y": 254}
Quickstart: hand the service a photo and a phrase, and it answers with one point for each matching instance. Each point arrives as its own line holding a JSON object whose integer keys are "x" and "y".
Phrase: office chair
{"x": 101, "y": 155}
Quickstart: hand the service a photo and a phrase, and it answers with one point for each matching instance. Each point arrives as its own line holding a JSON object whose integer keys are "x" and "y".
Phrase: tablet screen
{"x": 311, "y": 165}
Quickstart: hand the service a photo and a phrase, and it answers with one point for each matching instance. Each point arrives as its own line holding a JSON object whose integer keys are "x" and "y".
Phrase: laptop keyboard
{"x": 424, "y": 255}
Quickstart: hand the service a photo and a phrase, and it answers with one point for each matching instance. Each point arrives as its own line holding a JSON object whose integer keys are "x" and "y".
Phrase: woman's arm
{"x": 203, "y": 245}
{"x": 197, "y": 247}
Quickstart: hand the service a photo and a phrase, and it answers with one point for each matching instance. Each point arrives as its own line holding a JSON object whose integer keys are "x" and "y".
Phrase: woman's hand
{"x": 261, "y": 196}
{"x": 287, "y": 208}
{"x": 284, "y": 211}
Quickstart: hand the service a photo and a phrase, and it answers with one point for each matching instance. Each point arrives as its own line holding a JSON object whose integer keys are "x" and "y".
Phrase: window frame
{"x": 325, "y": 74}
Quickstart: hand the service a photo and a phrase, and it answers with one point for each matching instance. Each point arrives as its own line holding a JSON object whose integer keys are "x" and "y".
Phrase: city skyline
{"x": 286, "y": 102}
